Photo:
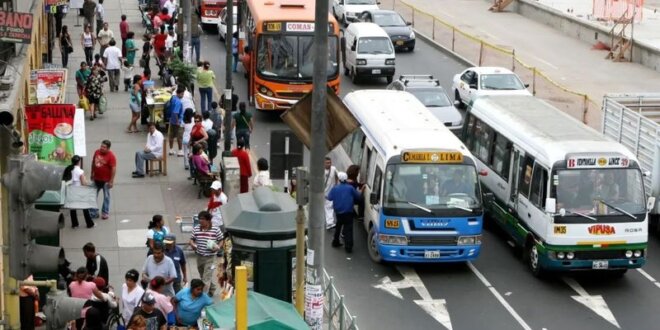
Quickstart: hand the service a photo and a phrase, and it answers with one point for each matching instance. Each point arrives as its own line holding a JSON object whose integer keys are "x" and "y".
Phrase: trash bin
{"x": 262, "y": 225}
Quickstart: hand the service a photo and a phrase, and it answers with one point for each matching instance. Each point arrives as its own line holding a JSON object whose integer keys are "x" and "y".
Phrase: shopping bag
{"x": 103, "y": 104}
{"x": 83, "y": 103}
{"x": 80, "y": 197}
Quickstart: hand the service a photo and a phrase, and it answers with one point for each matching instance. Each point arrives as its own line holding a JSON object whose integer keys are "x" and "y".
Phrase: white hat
{"x": 342, "y": 176}
{"x": 216, "y": 185}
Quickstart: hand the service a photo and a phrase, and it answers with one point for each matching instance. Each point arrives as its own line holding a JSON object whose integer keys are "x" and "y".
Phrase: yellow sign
{"x": 392, "y": 223}
{"x": 274, "y": 26}
{"x": 432, "y": 157}
{"x": 560, "y": 230}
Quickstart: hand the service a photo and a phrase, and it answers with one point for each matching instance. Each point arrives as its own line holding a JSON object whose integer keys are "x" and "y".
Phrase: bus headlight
{"x": 637, "y": 253}
{"x": 629, "y": 254}
{"x": 265, "y": 90}
{"x": 389, "y": 61}
{"x": 393, "y": 239}
{"x": 561, "y": 255}
{"x": 570, "y": 255}
{"x": 360, "y": 61}
{"x": 468, "y": 240}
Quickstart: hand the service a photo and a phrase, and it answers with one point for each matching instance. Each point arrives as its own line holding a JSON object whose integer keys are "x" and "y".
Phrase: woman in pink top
{"x": 162, "y": 301}
{"x": 80, "y": 288}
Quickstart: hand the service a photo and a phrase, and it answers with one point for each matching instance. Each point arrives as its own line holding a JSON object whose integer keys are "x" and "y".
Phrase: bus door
{"x": 371, "y": 211}
{"x": 516, "y": 160}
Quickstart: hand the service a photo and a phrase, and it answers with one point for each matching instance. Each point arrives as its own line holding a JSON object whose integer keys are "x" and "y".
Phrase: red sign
{"x": 15, "y": 27}
{"x": 601, "y": 230}
{"x": 50, "y": 131}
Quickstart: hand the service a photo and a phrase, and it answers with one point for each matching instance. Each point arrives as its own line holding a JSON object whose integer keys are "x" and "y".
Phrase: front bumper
{"x": 210, "y": 20}
{"x": 405, "y": 253}
{"x": 403, "y": 43}
{"x": 265, "y": 102}
{"x": 386, "y": 71}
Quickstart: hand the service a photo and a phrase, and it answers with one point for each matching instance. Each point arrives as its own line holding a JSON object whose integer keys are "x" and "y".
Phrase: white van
{"x": 367, "y": 51}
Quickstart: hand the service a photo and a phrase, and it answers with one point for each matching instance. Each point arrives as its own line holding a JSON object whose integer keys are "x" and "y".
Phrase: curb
{"x": 443, "y": 49}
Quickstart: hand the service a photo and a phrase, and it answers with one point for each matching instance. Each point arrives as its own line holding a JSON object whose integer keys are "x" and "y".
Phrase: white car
{"x": 222, "y": 25}
{"x": 347, "y": 11}
{"x": 478, "y": 81}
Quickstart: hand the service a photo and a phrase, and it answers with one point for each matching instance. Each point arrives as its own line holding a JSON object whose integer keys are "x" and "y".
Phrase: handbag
{"x": 103, "y": 104}
{"x": 80, "y": 197}
{"x": 69, "y": 49}
{"x": 84, "y": 102}
{"x": 143, "y": 62}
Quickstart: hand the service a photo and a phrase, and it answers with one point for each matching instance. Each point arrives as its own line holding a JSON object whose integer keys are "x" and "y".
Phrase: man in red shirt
{"x": 159, "y": 46}
{"x": 104, "y": 167}
{"x": 123, "y": 30}
{"x": 244, "y": 164}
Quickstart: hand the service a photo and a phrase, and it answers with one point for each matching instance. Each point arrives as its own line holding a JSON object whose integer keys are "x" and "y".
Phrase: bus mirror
{"x": 373, "y": 198}
{"x": 650, "y": 203}
{"x": 646, "y": 174}
{"x": 550, "y": 205}
{"x": 483, "y": 173}
{"x": 457, "y": 103}
{"x": 353, "y": 47}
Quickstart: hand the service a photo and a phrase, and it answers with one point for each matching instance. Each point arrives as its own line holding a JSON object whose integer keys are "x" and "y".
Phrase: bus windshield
{"x": 608, "y": 192}
{"x": 291, "y": 57}
{"x": 430, "y": 188}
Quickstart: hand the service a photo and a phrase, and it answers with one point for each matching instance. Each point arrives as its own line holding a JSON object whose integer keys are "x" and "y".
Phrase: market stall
{"x": 156, "y": 100}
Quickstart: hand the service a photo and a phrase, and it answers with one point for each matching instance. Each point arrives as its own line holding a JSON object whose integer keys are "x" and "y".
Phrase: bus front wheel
{"x": 373, "y": 246}
{"x": 533, "y": 259}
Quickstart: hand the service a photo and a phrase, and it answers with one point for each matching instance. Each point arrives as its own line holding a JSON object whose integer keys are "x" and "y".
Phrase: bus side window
{"x": 502, "y": 156}
{"x": 525, "y": 175}
{"x": 539, "y": 185}
{"x": 377, "y": 183}
{"x": 364, "y": 164}
{"x": 468, "y": 135}
{"x": 357, "y": 146}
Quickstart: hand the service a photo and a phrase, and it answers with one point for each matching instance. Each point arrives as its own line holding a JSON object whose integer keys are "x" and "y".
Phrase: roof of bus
{"x": 542, "y": 128}
{"x": 397, "y": 121}
{"x": 285, "y": 10}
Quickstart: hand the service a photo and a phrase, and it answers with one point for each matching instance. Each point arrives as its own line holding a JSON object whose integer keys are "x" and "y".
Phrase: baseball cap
{"x": 169, "y": 239}
{"x": 342, "y": 176}
{"x": 148, "y": 298}
{"x": 216, "y": 185}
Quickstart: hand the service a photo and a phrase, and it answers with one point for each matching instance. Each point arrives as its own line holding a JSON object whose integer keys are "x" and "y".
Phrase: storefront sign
{"x": 15, "y": 27}
{"x": 47, "y": 86}
{"x": 51, "y": 132}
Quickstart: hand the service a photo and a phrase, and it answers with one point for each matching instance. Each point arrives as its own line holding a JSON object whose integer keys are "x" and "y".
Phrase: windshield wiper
{"x": 460, "y": 207}
{"x": 618, "y": 209}
{"x": 581, "y": 214}
{"x": 419, "y": 207}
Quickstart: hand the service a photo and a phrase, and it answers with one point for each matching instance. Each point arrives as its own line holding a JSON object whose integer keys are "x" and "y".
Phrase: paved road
{"x": 496, "y": 291}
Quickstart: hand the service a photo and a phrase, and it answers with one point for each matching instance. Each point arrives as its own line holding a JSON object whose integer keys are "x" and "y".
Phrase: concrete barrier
{"x": 584, "y": 30}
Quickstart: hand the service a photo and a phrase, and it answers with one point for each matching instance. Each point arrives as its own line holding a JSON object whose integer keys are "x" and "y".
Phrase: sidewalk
{"x": 121, "y": 239}
{"x": 565, "y": 60}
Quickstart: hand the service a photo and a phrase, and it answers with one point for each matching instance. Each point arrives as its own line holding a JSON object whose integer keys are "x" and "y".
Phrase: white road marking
{"x": 596, "y": 303}
{"x": 499, "y": 297}
{"x": 436, "y": 308}
{"x": 544, "y": 62}
{"x": 649, "y": 277}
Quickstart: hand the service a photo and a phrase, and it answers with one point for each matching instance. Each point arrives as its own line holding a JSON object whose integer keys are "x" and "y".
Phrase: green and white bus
{"x": 568, "y": 196}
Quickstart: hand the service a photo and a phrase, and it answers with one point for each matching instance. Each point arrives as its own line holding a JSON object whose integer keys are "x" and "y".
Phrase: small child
{"x": 127, "y": 71}
{"x": 99, "y": 62}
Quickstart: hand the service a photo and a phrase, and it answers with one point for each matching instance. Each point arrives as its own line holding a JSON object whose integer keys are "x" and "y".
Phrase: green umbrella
{"x": 264, "y": 313}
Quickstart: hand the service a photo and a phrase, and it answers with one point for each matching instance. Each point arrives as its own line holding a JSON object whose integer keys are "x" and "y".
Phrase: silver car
{"x": 428, "y": 91}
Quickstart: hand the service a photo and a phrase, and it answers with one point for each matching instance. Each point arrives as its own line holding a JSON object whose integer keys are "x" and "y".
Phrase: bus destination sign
{"x": 597, "y": 162}
{"x": 440, "y": 157}
{"x": 300, "y": 27}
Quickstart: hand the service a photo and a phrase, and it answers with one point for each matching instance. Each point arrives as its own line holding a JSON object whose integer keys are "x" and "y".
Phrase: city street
{"x": 495, "y": 292}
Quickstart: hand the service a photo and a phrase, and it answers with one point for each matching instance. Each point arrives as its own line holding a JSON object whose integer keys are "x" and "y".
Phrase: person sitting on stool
{"x": 152, "y": 150}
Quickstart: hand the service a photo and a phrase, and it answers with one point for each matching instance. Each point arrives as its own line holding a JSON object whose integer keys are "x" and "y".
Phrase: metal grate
{"x": 431, "y": 240}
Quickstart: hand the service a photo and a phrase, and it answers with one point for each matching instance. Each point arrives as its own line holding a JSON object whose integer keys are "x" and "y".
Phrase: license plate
{"x": 431, "y": 254}
{"x": 399, "y": 42}
{"x": 375, "y": 71}
{"x": 600, "y": 264}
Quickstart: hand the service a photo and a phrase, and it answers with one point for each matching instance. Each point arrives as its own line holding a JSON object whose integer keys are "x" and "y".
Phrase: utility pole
{"x": 317, "y": 155}
{"x": 187, "y": 29}
{"x": 229, "y": 38}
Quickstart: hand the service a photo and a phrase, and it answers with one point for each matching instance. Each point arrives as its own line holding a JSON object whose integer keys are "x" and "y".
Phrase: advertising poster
{"x": 50, "y": 132}
{"x": 15, "y": 27}
{"x": 47, "y": 86}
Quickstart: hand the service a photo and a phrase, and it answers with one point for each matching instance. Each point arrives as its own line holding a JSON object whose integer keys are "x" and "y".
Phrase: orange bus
{"x": 277, "y": 50}
{"x": 209, "y": 11}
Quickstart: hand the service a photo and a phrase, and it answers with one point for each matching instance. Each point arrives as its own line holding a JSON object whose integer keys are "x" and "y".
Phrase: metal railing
{"x": 335, "y": 312}
{"x": 480, "y": 52}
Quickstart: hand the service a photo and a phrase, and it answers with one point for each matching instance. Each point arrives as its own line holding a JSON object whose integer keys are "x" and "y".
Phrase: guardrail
{"x": 480, "y": 52}
{"x": 335, "y": 311}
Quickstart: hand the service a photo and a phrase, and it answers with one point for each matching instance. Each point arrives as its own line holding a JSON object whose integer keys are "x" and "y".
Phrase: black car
{"x": 400, "y": 31}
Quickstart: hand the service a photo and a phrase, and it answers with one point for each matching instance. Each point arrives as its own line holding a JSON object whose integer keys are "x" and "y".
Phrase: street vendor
{"x": 189, "y": 302}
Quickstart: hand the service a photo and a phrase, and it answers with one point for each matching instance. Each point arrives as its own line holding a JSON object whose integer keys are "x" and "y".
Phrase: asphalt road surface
{"x": 494, "y": 292}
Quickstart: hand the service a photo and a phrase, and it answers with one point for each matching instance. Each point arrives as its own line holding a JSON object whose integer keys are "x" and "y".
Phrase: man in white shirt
{"x": 152, "y": 150}
{"x": 103, "y": 37}
{"x": 207, "y": 123}
{"x": 171, "y": 7}
{"x": 112, "y": 57}
{"x": 330, "y": 180}
{"x": 187, "y": 101}
{"x": 171, "y": 38}
{"x": 100, "y": 16}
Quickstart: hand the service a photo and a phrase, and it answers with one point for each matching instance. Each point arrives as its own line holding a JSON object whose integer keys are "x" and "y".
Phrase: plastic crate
{"x": 186, "y": 224}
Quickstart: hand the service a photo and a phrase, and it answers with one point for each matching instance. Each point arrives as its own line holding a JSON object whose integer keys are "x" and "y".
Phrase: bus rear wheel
{"x": 374, "y": 254}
